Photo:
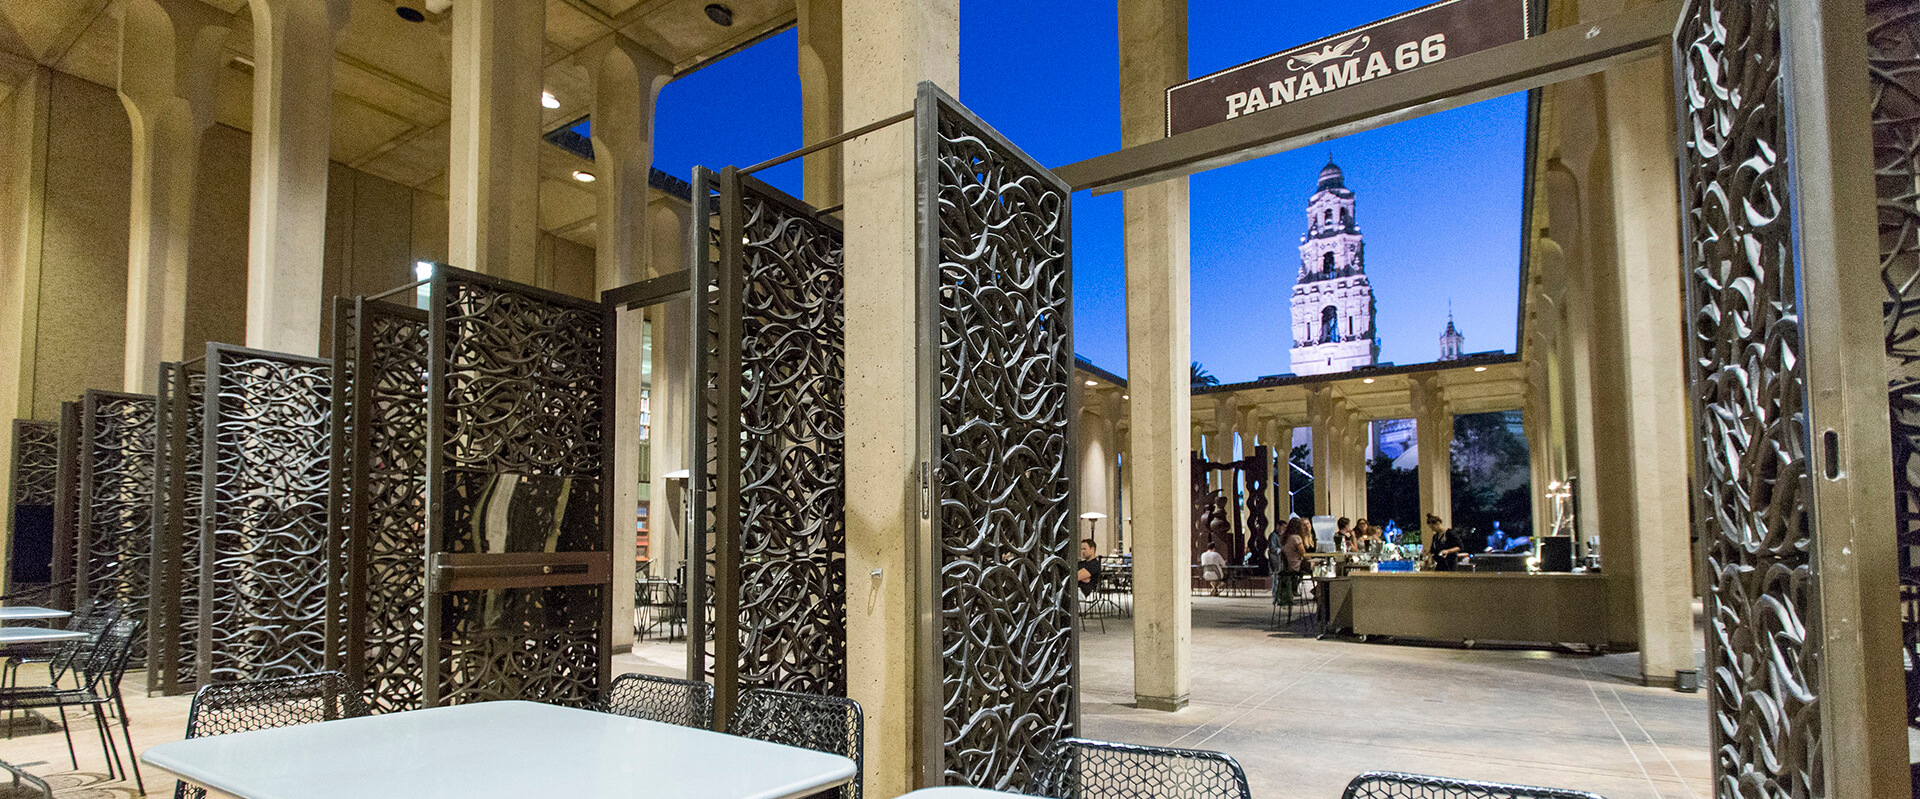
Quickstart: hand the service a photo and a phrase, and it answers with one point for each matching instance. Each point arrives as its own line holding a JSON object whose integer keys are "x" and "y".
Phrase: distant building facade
{"x": 1451, "y": 341}
{"x": 1332, "y": 301}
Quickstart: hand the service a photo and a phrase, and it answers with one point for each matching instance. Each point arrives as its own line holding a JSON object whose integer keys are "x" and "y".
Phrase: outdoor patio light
{"x": 547, "y": 100}
{"x": 583, "y": 176}
{"x": 1092, "y": 383}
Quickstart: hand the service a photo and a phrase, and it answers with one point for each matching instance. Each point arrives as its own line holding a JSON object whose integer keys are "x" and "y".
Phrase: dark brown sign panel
{"x": 1425, "y": 35}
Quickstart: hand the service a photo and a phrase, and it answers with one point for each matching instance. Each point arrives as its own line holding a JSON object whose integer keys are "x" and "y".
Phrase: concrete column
{"x": 1153, "y": 56}
{"x": 1280, "y": 438}
{"x": 1325, "y": 477}
{"x": 1433, "y": 432}
{"x": 1094, "y": 459}
{"x": 493, "y": 177}
{"x": 23, "y": 173}
{"x": 170, "y": 53}
{"x": 821, "y": 95}
{"x": 1650, "y": 388}
{"x": 1123, "y": 515}
{"x": 292, "y": 127}
{"x": 890, "y": 47}
{"x": 627, "y": 79}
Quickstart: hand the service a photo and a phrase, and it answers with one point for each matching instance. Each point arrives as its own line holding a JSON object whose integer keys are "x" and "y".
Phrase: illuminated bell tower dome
{"x": 1333, "y": 327}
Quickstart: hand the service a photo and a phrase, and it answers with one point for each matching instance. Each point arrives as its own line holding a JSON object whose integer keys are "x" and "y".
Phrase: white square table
{"x": 36, "y": 635}
{"x": 497, "y": 749}
{"x": 31, "y": 613}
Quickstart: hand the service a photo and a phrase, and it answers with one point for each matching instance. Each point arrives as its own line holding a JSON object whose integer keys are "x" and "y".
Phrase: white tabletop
{"x": 503, "y": 749}
{"x": 36, "y": 635}
{"x": 960, "y": 792}
{"x": 25, "y": 612}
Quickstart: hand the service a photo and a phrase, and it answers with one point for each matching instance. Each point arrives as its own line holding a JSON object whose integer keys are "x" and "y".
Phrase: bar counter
{"x": 1473, "y": 606}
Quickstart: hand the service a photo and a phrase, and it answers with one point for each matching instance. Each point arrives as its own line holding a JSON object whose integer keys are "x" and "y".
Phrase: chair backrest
{"x": 93, "y": 621}
{"x": 1396, "y": 785}
{"x": 106, "y": 663}
{"x": 223, "y": 708}
{"x": 1076, "y": 768}
{"x": 644, "y": 696}
{"x": 821, "y": 723}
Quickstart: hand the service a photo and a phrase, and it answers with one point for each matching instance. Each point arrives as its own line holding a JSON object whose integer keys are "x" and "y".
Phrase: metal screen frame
{"x": 178, "y": 499}
{"x": 988, "y": 724}
{"x": 34, "y": 476}
{"x": 114, "y": 529}
{"x": 377, "y": 505}
{"x": 263, "y": 515}
{"x": 66, "y": 510}
{"x": 518, "y": 341}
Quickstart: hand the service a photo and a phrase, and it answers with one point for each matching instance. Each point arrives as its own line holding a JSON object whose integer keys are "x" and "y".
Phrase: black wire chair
{"x": 1077, "y": 768}
{"x": 61, "y": 658}
{"x": 224, "y": 708}
{"x": 644, "y": 696}
{"x": 822, "y": 723}
{"x": 1396, "y": 785}
{"x": 100, "y": 675}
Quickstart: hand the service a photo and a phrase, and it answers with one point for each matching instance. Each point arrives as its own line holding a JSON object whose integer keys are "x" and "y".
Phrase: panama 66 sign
{"x": 1425, "y": 35}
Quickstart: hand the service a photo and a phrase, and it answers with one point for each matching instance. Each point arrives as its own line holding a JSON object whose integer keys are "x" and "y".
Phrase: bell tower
{"x": 1332, "y": 301}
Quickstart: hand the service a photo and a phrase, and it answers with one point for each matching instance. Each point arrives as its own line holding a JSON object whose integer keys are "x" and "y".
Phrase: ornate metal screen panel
{"x": 178, "y": 497}
{"x": 1750, "y": 397}
{"x": 36, "y": 470}
{"x": 519, "y": 600}
{"x": 997, "y": 350}
{"x": 263, "y": 579}
{"x": 115, "y": 530}
{"x": 380, "y": 521}
{"x": 66, "y": 506}
{"x": 1893, "y": 40}
{"x": 778, "y": 371}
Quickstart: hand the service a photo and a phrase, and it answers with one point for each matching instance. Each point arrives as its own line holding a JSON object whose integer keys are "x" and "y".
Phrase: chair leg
{"x": 132, "y": 756}
{"x": 67, "y": 730}
{"x": 107, "y": 747}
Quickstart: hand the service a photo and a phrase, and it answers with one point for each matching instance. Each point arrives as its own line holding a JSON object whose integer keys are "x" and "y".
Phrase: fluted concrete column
{"x": 1153, "y": 56}
{"x": 1123, "y": 517}
{"x": 170, "y": 53}
{"x": 1320, "y": 419}
{"x": 1650, "y": 388}
{"x": 627, "y": 79}
{"x": 821, "y": 93}
{"x": 493, "y": 176}
{"x": 1433, "y": 430}
{"x": 292, "y": 128}
{"x": 23, "y": 173}
{"x": 890, "y": 46}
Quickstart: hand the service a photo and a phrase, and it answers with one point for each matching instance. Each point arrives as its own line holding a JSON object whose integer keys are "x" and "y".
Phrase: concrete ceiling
{"x": 392, "y": 77}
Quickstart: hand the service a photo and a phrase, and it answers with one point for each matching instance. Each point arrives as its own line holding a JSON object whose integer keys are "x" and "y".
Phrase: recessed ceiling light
{"x": 720, "y": 14}
{"x": 547, "y": 100}
{"x": 583, "y": 176}
{"x": 1125, "y": 397}
{"x": 410, "y": 12}
{"x": 1092, "y": 383}
{"x": 1367, "y": 380}
{"x": 1479, "y": 368}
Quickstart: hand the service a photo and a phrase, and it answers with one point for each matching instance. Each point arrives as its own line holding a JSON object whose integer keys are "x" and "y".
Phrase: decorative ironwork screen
{"x": 1749, "y": 384}
{"x": 997, "y": 333}
{"x": 115, "y": 528}
{"x": 36, "y": 471}
{"x": 1893, "y": 43}
{"x": 178, "y": 498}
{"x": 263, "y": 540}
{"x": 66, "y": 507}
{"x": 775, "y": 371}
{"x": 379, "y": 513}
{"x": 518, "y": 600}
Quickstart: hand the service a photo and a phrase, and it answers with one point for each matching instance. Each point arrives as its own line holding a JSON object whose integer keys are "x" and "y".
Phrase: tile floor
{"x": 1302, "y": 716}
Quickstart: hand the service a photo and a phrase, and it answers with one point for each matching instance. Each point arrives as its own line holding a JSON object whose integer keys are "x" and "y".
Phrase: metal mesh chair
{"x": 38, "y": 785}
{"x": 821, "y": 723}
{"x": 223, "y": 708}
{"x": 644, "y": 696}
{"x": 1396, "y": 785}
{"x": 100, "y": 675}
{"x": 1076, "y": 768}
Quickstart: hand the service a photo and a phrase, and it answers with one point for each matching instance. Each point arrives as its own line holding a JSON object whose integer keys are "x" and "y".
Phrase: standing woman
{"x": 1444, "y": 544}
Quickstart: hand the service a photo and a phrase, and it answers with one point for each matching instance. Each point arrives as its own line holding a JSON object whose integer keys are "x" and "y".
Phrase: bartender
{"x": 1445, "y": 544}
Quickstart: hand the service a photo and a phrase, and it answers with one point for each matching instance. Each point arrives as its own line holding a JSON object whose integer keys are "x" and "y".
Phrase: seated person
{"x": 1089, "y": 572}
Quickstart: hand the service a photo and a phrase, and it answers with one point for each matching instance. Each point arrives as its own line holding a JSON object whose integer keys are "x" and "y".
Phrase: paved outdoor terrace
{"x": 1301, "y": 715}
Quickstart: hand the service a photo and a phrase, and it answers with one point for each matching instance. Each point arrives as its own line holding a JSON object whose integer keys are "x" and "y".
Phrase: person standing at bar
{"x": 1444, "y": 544}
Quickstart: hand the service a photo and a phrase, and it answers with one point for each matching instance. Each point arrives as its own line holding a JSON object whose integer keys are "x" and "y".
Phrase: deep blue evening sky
{"x": 1439, "y": 198}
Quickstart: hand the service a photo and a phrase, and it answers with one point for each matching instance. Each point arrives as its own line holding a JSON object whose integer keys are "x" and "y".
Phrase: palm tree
{"x": 1200, "y": 377}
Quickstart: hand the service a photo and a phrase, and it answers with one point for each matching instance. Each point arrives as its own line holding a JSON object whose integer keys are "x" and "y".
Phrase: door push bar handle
{"x": 450, "y": 572}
